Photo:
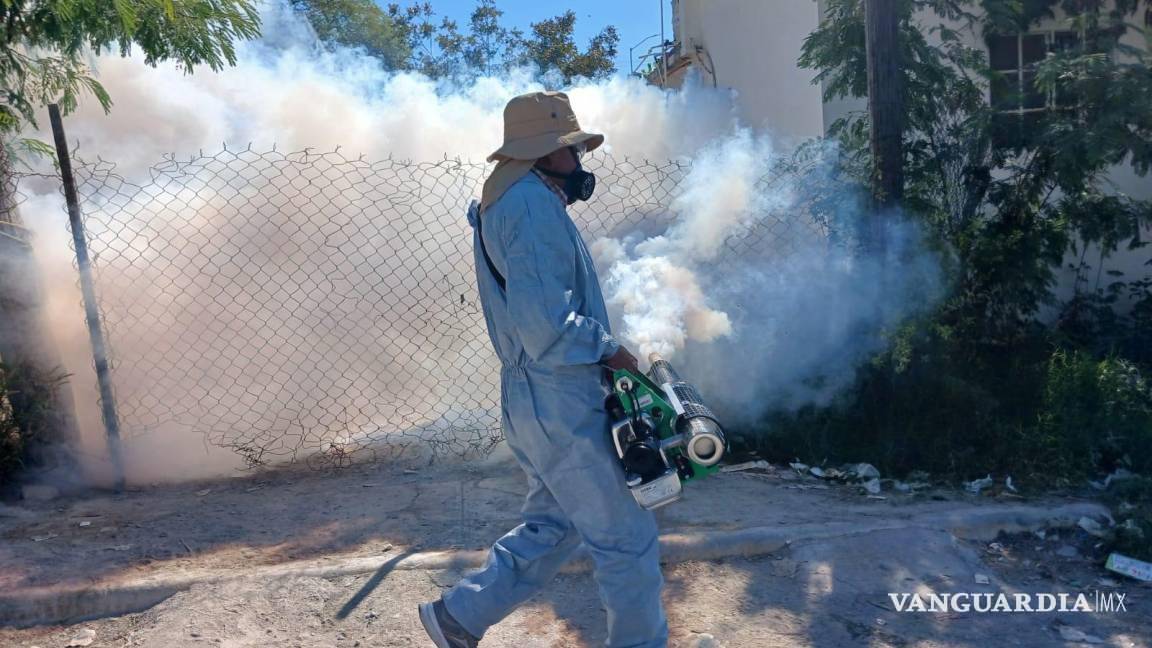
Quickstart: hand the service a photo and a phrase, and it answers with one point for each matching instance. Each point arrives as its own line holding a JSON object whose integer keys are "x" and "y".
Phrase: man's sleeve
{"x": 541, "y": 289}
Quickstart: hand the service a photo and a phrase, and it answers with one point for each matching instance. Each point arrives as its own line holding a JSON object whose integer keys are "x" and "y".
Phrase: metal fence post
{"x": 91, "y": 310}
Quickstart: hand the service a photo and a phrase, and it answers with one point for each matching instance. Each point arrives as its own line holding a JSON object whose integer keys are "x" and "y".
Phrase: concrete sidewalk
{"x": 141, "y": 548}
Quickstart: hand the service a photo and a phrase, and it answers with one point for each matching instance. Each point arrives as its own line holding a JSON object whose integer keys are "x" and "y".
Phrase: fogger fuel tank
{"x": 663, "y": 432}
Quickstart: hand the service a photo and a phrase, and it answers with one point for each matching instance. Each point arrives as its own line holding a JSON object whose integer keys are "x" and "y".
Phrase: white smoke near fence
{"x": 779, "y": 322}
{"x": 315, "y": 246}
{"x": 651, "y": 284}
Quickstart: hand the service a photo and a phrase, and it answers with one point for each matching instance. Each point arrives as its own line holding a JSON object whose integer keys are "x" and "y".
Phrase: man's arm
{"x": 541, "y": 262}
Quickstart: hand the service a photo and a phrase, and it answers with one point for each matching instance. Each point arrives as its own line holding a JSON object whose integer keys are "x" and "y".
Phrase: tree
{"x": 44, "y": 42}
{"x": 552, "y": 47}
{"x": 1007, "y": 192}
{"x": 42, "y": 62}
{"x": 1006, "y": 170}
{"x": 443, "y": 50}
{"x": 357, "y": 23}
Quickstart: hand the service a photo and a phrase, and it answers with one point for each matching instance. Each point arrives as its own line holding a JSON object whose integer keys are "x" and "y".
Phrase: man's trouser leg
{"x": 519, "y": 563}
{"x": 558, "y": 432}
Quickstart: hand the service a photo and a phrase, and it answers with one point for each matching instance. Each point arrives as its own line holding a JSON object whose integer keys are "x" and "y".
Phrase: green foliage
{"x": 1132, "y": 501}
{"x": 1009, "y": 212}
{"x": 551, "y": 47}
{"x": 1099, "y": 410}
{"x": 1034, "y": 412}
{"x": 984, "y": 383}
{"x": 27, "y": 407}
{"x": 929, "y": 402}
{"x": 442, "y": 50}
{"x": 45, "y": 41}
{"x": 357, "y": 23}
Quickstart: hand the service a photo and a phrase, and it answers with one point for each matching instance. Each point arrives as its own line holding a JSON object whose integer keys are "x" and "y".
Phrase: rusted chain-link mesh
{"x": 310, "y": 306}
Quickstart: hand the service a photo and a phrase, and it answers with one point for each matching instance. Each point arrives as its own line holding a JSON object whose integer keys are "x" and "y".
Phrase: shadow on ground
{"x": 823, "y": 593}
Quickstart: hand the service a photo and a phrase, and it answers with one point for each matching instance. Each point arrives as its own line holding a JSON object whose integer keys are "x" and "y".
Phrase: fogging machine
{"x": 663, "y": 433}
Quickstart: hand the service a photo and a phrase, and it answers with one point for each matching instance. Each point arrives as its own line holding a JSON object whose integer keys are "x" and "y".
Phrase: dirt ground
{"x": 824, "y": 592}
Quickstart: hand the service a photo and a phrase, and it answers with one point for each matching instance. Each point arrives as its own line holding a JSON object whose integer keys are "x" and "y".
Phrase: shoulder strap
{"x": 487, "y": 259}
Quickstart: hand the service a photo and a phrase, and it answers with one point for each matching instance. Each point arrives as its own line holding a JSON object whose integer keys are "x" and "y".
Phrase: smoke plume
{"x": 723, "y": 268}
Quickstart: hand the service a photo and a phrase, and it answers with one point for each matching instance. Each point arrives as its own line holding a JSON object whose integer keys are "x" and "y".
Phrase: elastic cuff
{"x": 611, "y": 346}
{"x": 446, "y": 599}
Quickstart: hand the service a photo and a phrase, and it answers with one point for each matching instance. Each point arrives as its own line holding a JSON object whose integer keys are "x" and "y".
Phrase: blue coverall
{"x": 550, "y": 330}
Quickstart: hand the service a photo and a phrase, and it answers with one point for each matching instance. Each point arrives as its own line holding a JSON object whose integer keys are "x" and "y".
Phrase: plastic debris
{"x": 124, "y": 547}
{"x": 1119, "y": 474}
{"x": 86, "y": 523}
{"x": 409, "y": 471}
{"x": 866, "y": 471}
{"x": 799, "y": 467}
{"x": 704, "y": 640}
{"x": 816, "y": 472}
{"x": 1130, "y": 567}
{"x": 1091, "y": 526}
{"x": 872, "y": 486}
{"x": 759, "y": 464}
{"x": 1068, "y": 633}
{"x": 46, "y": 536}
{"x": 204, "y": 492}
{"x": 83, "y": 638}
{"x": 1008, "y": 484}
{"x": 981, "y": 579}
{"x": 1130, "y": 526}
{"x": 977, "y": 485}
{"x": 908, "y": 487}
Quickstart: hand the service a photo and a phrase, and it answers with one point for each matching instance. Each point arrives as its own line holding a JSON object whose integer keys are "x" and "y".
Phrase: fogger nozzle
{"x": 703, "y": 437}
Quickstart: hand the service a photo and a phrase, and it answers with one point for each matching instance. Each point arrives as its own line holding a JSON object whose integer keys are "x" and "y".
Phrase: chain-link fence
{"x": 311, "y": 306}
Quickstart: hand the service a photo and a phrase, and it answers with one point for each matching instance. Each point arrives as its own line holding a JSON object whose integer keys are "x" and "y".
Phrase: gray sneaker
{"x": 444, "y": 631}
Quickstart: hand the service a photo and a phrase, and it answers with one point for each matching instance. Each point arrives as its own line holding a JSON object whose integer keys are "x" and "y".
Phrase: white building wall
{"x": 751, "y": 47}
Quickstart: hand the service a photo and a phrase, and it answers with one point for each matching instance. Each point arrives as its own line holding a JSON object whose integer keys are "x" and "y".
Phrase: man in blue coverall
{"x": 549, "y": 326}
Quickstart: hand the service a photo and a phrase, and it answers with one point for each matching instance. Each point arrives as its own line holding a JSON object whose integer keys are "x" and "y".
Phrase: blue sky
{"x": 634, "y": 19}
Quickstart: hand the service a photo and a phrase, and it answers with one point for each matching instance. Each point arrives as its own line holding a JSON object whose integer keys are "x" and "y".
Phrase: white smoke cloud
{"x": 287, "y": 92}
{"x": 747, "y": 289}
{"x": 653, "y": 286}
{"x": 768, "y": 319}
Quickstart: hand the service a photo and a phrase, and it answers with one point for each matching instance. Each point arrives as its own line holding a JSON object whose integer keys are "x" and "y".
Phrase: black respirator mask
{"x": 579, "y": 184}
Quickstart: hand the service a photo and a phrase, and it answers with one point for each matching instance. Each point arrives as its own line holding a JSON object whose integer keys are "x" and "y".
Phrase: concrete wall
{"x": 1122, "y": 178}
{"x": 751, "y": 46}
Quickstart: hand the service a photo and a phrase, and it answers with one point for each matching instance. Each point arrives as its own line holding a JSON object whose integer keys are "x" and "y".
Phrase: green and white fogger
{"x": 663, "y": 432}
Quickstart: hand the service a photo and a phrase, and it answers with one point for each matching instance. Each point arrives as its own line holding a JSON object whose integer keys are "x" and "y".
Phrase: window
{"x": 1014, "y": 94}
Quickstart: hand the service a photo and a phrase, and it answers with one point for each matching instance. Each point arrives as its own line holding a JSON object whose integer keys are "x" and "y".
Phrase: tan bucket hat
{"x": 538, "y": 123}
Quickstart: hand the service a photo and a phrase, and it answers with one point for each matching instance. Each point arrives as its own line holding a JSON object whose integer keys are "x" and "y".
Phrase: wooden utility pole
{"x": 885, "y": 109}
{"x": 88, "y": 291}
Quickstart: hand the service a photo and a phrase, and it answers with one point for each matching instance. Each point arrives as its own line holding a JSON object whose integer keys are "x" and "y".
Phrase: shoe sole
{"x": 432, "y": 627}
